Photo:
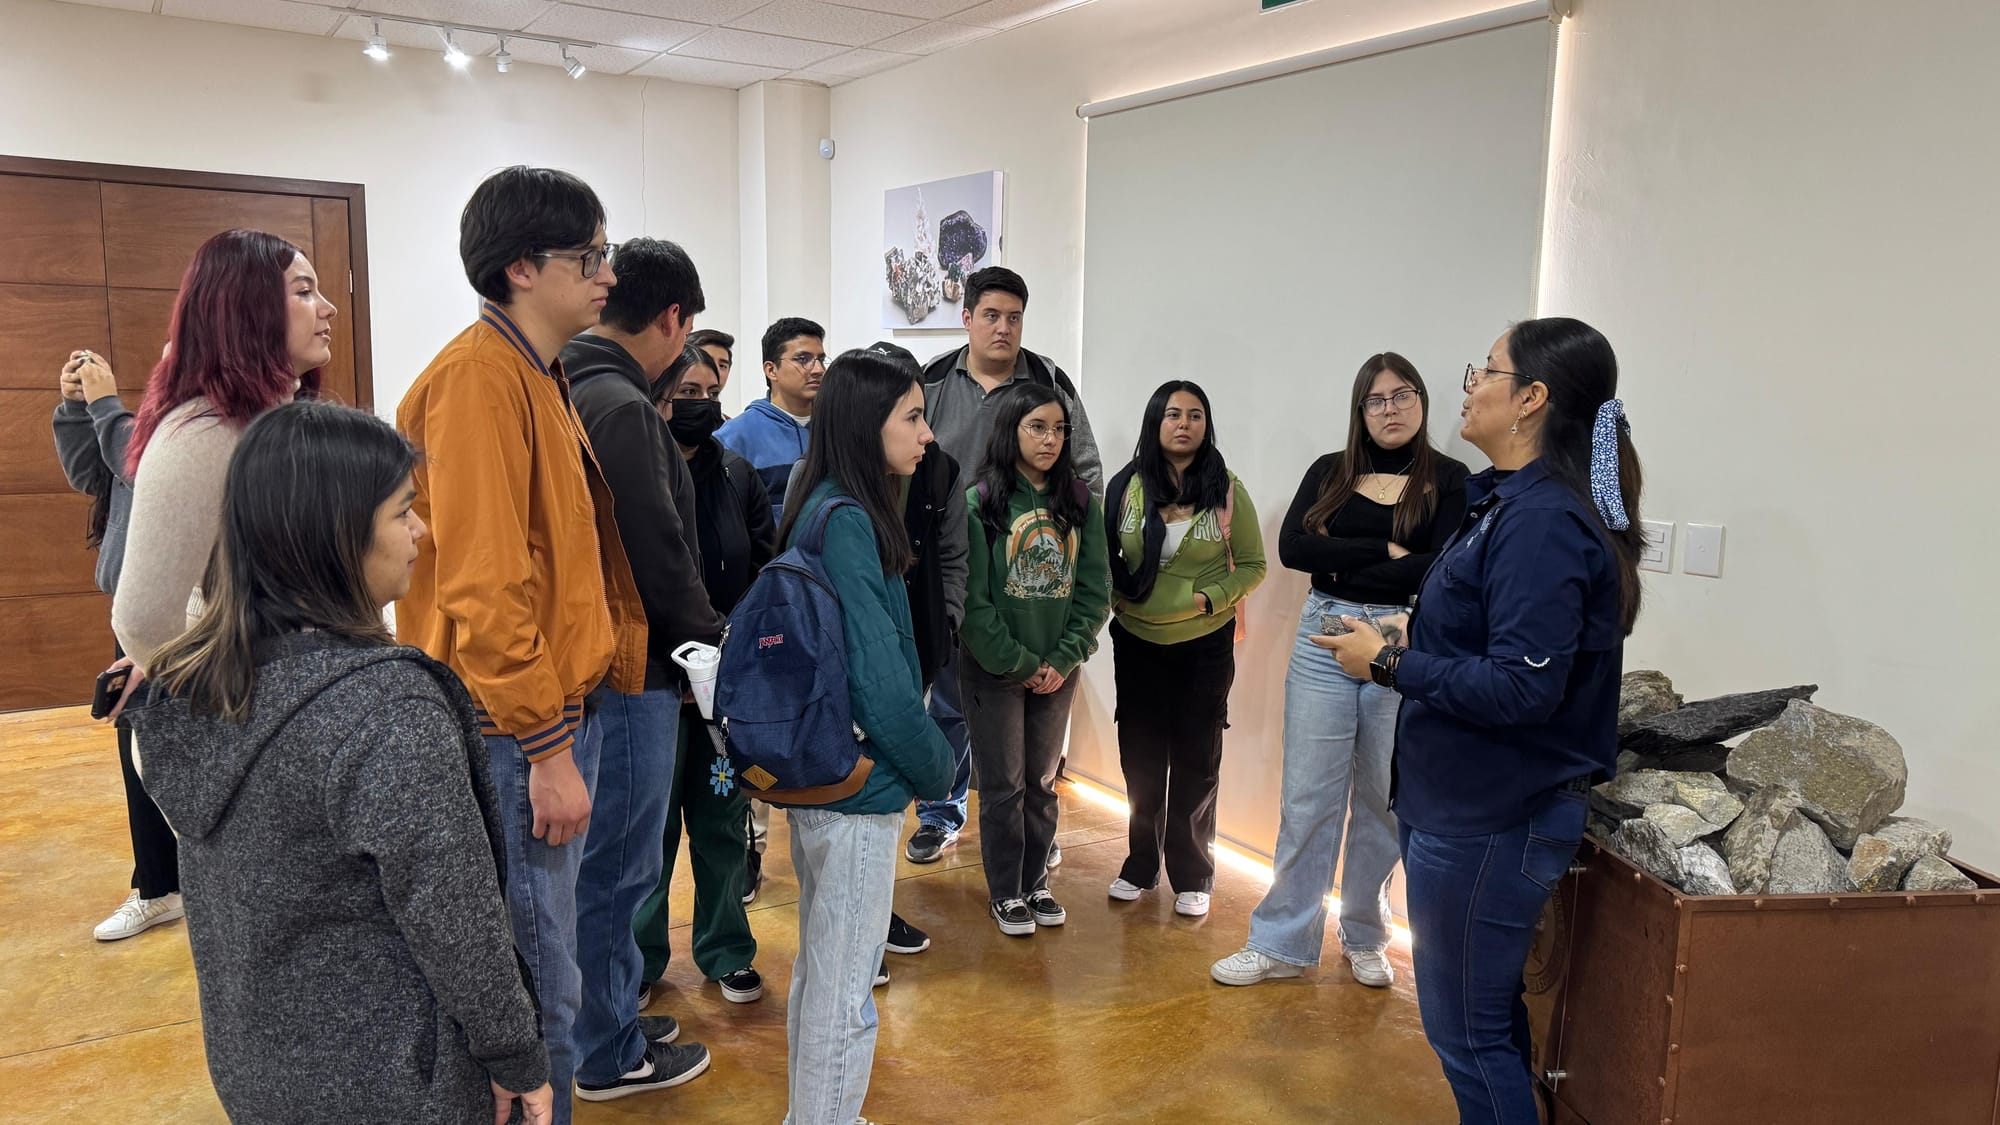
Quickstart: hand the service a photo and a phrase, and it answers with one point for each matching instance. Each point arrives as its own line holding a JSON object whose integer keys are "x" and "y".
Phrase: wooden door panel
{"x": 54, "y": 232}
{"x": 46, "y": 552}
{"x": 55, "y": 648}
{"x": 330, "y": 256}
{"x": 139, "y": 322}
{"x": 40, "y": 325}
{"x": 151, "y": 233}
{"x": 28, "y": 448}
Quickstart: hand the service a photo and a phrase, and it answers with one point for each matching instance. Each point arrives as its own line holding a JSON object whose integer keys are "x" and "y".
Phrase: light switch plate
{"x": 1701, "y": 553}
{"x": 1659, "y": 552}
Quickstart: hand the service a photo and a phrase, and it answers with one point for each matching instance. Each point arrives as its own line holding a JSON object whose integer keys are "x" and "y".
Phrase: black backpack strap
{"x": 936, "y": 370}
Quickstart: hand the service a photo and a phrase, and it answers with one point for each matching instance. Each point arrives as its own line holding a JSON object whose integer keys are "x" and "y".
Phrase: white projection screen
{"x": 1263, "y": 240}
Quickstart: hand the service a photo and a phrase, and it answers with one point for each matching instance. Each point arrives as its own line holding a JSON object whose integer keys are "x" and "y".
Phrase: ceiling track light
{"x": 570, "y": 64}
{"x": 452, "y": 55}
{"x": 378, "y": 47}
{"x": 503, "y": 62}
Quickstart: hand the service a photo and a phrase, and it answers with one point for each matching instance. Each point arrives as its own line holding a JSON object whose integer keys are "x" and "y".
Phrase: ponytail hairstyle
{"x": 298, "y": 519}
{"x": 1585, "y": 441}
{"x": 999, "y": 469}
{"x": 860, "y": 390}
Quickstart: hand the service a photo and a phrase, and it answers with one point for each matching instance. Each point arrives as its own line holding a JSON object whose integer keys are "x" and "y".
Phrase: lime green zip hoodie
{"x": 1034, "y": 596}
{"x": 1170, "y": 615}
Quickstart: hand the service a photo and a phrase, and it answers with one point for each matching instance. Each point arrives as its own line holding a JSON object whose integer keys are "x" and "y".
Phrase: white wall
{"x": 83, "y": 83}
{"x": 785, "y": 219}
{"x": 1782, "y": 214}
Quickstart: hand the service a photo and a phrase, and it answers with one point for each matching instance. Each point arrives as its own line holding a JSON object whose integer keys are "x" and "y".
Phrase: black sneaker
{"x": 882, "y": 973}
{"x": 645, "y": 994}
{"x": 755, "y": 866}
{"x": 927, "y": 845}
{"x": 742, "y": 986}
{"x": 905, "y": 938}
{"x": 1055, "y": 855}
{"x": 662, "y": 1067}
{"x": 1045, "y": 908}
{"x": 1013, "y": 917}
{"x": 659, "y": 1029}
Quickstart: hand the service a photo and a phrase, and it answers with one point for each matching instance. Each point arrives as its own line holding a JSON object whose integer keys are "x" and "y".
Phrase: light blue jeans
{"x": 1339, "y": 735}
{"x": 541, "y": 900}
{"x": 846, "y": 866}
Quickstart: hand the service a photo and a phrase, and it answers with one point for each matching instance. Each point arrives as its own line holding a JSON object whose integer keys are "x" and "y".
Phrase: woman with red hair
{"x": 251, "y": 330}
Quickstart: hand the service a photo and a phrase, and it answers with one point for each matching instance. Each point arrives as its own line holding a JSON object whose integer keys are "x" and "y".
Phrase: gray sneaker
{"x": 927, "y": 843}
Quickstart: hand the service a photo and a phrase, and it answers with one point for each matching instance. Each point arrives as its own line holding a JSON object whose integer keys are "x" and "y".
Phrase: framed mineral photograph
{"x": 933, "y": 235}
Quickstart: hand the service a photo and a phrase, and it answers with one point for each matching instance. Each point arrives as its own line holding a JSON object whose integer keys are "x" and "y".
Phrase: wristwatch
{"x": 1383, "y": 668}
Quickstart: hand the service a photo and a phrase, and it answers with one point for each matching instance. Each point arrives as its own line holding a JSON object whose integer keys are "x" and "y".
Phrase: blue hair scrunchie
{"x": 1604, "y": 484}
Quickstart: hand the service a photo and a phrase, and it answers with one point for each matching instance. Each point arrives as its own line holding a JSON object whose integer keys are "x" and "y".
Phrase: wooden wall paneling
{"x": 55, "y": 648}
{"x": 28, "y": 448}
{"x": 55, "y": 231}
{"x": 46, "y": 552}
{"x": 139, "y": 322}
{"x": 151, "y": 233}
{"x": 332, "y": 260}
{"x": 40, "y": 325}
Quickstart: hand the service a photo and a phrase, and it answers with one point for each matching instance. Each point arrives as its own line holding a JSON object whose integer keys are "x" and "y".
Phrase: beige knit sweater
{"x": 176, "y": 516}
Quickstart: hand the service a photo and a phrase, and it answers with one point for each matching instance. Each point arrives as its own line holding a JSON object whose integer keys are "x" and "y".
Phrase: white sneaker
{"x": 1247, "y": 966}
{"x": 137, "y": 916}
{"x": 1371, "y": 967}
{"x": 1124, "y": 891}
{"x": 1194, "y": 904}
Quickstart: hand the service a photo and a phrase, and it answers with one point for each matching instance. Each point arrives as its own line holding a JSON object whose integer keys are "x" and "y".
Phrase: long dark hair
{"x": 298, "y": 518}
{"x": 854, "y": 402}
{"x": 1420, "y": 495}
{"x": 227, "y": 341}
{"x": 1205, "y": 484}
{"x": 1576, "y": 363}
{"x": 998, "y": 469}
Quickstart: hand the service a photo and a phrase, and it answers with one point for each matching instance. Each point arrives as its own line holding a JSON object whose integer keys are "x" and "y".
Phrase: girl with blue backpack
{"x": 1038, "y": 592}
{"x": 868, "y": 435}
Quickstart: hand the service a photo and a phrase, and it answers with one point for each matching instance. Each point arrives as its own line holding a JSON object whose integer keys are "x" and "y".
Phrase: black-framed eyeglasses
{"x": 1042, "y": 431}
{"x": 588, "y": 261}
{"x": 1377, "y": 405}
{"x": 1476, "y": 375}
{"x": 806, "y": 361}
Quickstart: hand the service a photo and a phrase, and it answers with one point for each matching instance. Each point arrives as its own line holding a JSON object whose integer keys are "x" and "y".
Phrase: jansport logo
{"x": 772, "y": 641}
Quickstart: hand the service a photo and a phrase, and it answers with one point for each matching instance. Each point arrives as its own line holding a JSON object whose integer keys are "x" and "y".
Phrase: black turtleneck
{"x": 1350, "y": 561}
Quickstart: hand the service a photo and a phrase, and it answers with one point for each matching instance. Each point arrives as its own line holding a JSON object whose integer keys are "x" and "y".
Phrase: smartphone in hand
{"x": 110, "y": 688}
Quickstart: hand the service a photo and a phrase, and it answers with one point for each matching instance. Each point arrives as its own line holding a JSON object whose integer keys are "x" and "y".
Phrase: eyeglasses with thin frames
{"x": 1477, "y": 375}
{"x": 588, "y": 261}
{"x": 1377, "y": 405}
{"x": 806, "y": 361}
{"x": 1043, "y": 431}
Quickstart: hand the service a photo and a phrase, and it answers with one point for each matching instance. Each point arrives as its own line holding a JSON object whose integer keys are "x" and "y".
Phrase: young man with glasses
{"x": 613, "y": 369}
{"x": 771, "y": 434}
{"x": 523, "y": 587}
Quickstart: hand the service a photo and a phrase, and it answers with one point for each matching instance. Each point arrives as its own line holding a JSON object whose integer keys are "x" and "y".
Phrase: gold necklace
{"x": 1382, "y": 487}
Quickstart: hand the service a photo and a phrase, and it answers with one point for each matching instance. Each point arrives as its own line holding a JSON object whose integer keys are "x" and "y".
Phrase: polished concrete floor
{"x": 1111, "y": 1018}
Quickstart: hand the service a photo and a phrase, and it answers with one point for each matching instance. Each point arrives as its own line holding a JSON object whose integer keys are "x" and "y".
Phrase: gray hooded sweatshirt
{"x": 341, "y": 867}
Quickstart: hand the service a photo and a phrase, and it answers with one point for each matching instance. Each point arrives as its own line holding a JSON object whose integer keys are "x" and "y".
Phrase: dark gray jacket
{"x": 340, "y": 862}
{"x": 90, "y": 443}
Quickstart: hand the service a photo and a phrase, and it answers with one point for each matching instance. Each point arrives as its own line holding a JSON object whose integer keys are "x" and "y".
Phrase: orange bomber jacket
{"x": 522, "y": 586}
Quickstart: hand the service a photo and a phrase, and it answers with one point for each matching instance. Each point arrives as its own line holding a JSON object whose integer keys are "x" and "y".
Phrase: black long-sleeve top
{"x": 1350, "y": 561}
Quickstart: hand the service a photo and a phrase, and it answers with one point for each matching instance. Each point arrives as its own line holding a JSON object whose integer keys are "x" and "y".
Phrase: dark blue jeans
{"x": 948, "y": 711}
{"x": 1473, "y": 903}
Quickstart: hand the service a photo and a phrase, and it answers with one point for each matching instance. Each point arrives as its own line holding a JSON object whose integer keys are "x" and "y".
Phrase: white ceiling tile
{"x": 122, "y": 5}
{"x": 933, "y": 37}
{"x": 706, "y": 72}
{"x": 922, "y": 9}
{"x": 1011, "y": 13}
{"x": 691, "y": 11}
{"x": 600, "y": 60}
{"x": 726, "y": 45}
{"x": 278, "y": 14}
{"x": 619, "y": 29}
{"x": 862, "y": 62}
{"x": 820, "y": 76}
{"x": 825, "y": 23}
{"x": 411, "y": 36}
{"x": 510, "y": 15}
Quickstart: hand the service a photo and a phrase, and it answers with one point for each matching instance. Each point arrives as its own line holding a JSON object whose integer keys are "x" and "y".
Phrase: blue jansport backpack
{"x": 781, "y": 684}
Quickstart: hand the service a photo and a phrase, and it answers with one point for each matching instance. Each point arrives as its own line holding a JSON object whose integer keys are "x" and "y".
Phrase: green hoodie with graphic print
{"x": 1169, "y": 614}
{"x": 1034, "y": 595}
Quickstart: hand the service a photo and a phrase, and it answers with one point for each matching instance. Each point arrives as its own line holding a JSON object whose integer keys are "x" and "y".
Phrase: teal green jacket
{"x": 1170, "y": 615}
{"x": 1034, "y": 596}
{"x": 884, "y": 689}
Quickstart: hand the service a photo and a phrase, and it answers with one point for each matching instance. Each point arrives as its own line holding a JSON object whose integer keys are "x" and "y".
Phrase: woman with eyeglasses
{"x": 1037, "y": 594}
{"x": 1185, "y": 551}
{"x": 1367, "y": 522}
{"x": 1509, "y": 682}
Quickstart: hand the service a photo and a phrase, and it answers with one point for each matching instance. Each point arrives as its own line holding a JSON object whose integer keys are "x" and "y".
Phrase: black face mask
{"x": 695, "y": 419}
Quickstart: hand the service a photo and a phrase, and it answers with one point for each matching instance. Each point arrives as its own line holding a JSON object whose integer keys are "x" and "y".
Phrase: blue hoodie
{"x": 772, "y": 442}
